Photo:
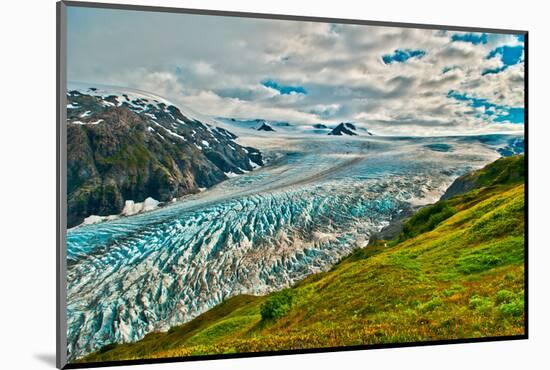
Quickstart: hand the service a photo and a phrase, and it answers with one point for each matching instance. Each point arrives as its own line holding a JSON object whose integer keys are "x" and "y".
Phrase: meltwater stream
{"x": 262, "y": 231}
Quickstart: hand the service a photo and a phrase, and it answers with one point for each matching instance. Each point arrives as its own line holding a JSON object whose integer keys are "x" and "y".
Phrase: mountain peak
{"x": 263, "y": 126}
{"x": 122, "y": 134}
{"x": 344, "y": 128}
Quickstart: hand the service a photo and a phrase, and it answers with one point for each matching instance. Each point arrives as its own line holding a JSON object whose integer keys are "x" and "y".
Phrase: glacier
{"x": 317, "y": 200}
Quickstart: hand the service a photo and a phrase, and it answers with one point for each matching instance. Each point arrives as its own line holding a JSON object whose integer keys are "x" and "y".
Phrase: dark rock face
{"x": 319, "y": 126}
{"x": 344, "y": 128}
{"x": 460, "y": 186}
{"x": 122, "y": 147}
{"x": 265, "y": 127}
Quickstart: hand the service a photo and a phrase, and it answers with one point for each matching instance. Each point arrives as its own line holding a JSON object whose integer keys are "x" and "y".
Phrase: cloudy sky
{"x": 391, "y": 80}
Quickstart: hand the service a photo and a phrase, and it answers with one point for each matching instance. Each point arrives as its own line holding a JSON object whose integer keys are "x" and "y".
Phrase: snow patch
{"x": 169, "y": 131}
{"x": 107, "y": 103}
{"x": 122, "y": 94}
{"x": 87, "y": 123}
{"x": 132, "y": 208}
{"x": 94, "y": 219}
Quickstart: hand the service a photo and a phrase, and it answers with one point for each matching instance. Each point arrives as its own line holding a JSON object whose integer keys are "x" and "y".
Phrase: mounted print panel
{"x": 248, "y": 184}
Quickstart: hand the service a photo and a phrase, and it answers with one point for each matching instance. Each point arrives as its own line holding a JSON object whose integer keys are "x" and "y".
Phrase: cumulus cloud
{"x": 394, "y": 80}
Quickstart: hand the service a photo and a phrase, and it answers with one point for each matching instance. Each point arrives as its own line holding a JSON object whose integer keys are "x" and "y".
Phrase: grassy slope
{"x": 456, "y": 271}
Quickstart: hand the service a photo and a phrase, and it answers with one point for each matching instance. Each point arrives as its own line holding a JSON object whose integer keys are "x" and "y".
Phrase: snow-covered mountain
{"x": 263, "y": 126}
{"x": 127, "y": 145}
{"x": 291, "y": 129}
{"x": 348, "y": 128}
{"x": 344, "y": 128}
{"x": 258, "y": 124}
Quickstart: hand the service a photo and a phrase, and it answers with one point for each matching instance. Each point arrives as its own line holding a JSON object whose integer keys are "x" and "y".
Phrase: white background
{"x": 27, "y": 183}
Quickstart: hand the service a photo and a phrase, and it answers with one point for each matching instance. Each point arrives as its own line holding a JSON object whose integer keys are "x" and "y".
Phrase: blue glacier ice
{"x": 317, "y": 200}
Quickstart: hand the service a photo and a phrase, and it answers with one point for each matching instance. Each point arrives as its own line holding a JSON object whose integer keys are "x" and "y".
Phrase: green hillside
{"x": 455, "y": 271}
{"x": 506, "y": 170}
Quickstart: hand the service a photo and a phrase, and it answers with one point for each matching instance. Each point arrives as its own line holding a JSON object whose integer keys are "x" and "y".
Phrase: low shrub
{"x": 477, "y": 261}
{"x": 277, "y": 305}
{"x": 481, "y": 304}
{"x": 514, "y": 308}
{"x": 504, "y": 296}
{"x": 431, "y": 304}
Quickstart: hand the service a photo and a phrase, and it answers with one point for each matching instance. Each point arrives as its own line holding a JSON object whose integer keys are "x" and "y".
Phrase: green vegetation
{"x": 277, "y": 305}
{"x": 456, "y": 271}
{"x": 426, "y": 220}
{"x": 506, "y": 170}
